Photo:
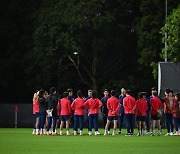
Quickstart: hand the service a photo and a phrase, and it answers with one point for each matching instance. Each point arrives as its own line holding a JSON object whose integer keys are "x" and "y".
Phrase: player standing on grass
{"x": 78, "y": 107}
{"x": 71, "y": 99}
{"x": 176, "y": 114}
{"x": 129, "y": 104}
{"x": 141, "y": 114}
{"x": 156, "y": 107}
{"x": 113, "y": 112}
{"x": 65, "y": 113}
{"x": 93, "y": 105}
{"x": 36, "y": 113}
{"x": 51, "y": 110}
{"x": 121, "y": 109}
{"x": 104, "y": 108}
{"x": 168, "y": 110}
{"x": 86, "y": 110}
{"x": 42, "y": 109}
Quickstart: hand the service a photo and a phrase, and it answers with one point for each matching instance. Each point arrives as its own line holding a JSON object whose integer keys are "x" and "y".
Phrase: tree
{"x": 172, "y": 28}
{"x": 100, "y": 31}
{"x": 149, "y": 43}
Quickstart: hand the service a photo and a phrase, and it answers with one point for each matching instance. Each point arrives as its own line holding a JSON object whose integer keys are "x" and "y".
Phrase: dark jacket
{"x": 42, "y": 104}
{"x": 52, "y": 102}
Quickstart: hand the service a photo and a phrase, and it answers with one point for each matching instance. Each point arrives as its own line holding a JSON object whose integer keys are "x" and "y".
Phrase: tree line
{"x": 81, "y": 44}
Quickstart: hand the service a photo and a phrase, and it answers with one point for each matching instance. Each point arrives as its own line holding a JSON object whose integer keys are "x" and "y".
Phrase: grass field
{"x": 21, "y": 141}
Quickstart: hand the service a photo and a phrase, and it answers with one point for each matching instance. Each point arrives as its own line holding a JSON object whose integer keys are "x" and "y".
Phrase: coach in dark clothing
{"x": 51, "y": 110}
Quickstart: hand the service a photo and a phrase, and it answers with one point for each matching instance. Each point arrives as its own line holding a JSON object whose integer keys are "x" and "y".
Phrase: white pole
{"x": 166, "y": 33}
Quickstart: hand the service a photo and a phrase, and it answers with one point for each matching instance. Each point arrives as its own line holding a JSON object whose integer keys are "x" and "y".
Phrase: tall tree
{"x": 149, "y": 44}
{"x": 172, "y": 28}
{"x": 100, "y": 31}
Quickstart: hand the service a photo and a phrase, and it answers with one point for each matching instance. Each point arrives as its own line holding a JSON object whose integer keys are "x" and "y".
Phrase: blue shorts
{"x": 111, "y": 118}
{"x": 141, "y": 118}
{"x": 65, "y": 117}
{"x": 37, "y": 115}
{"x": 154, "y": 117}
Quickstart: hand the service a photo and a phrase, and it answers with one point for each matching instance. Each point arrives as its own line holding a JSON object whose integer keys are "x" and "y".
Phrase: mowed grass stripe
{"x": 19, "y": 141}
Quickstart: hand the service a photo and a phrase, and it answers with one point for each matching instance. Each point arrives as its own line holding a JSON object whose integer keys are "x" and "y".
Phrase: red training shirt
{"x": 141, "y": 107}
{"x": 78, "y": 106}
{"x": 113, "y": 105}
{"x": 155, "y": 105}
{"x": 35, "y": 106}
{"x": 93, "y": 105}
{"x": 129, "y": 104}
{"x": 168, "y": 107}
{"x": 65, "y": 106}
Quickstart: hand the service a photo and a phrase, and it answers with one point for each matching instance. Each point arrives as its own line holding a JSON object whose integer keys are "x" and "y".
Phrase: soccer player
{"x": 42, "y": 109}
{"x": 176, "y": 114}
{"x": 104, "y": 108}
{"x": 113, "y": 112}
{"x": 156, "y": 106}
{"x": 129, "y": 104}
{"x": 71, "y": 99}
{"x": 168, "y": 110}
{"x": 51, "y": 110}
{"x": 65, "y": 113}
{"x": 86, "y": 110}
{"x": 93, "y": 105}
{"x": 36, "y": 113}
{"x": 121, "y": 109}
{"x": 141, "y": 113}
{"x": 78, "y": 107}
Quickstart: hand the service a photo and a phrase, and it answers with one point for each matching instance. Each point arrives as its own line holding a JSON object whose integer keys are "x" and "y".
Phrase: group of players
{"x": 51, "y": 111}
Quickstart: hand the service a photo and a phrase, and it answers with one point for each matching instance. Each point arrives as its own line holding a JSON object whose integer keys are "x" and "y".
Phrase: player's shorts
{"x": 154, "y": 117}
{"x": 141, "y": 118}
{"x": 111, "y": 118}
{"x": 65, "y": 117}
{"x": 37, "y": 115}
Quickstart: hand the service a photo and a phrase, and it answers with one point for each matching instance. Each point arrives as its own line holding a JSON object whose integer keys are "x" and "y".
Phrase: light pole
{"x": 165, "y": 32}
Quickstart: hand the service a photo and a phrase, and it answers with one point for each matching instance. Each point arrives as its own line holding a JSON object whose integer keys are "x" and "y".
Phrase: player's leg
{"x": 90, "y": 124}
{"x": 127, "y": 117}
{"x": 67, "y": 118}
{"x": 107, "y": 125}
{"x": 62, "y": 124}
{"x": 96, "y": 124}
{"x": 75, "y": 124}
{"x": 159, "y": 127}
{"x": 81, "y": 118}
{"x": 115, "y": 125}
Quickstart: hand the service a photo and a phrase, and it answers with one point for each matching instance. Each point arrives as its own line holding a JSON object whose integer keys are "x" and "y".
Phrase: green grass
{"x": 21, "y": 141}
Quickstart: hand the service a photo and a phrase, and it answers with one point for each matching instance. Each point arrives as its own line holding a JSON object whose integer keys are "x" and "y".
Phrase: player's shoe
{"x": 89, "y": 133}
{"x": 168, "y": 134}
{"x": 97, "y": 133}
{"x": 128, "y": 134}
{"x": 113, "y": 134}
{"x": 108, "y": 132}
{"x": 75, "y": 133}
{"x": 34, "y": 131}
{"x": 60, "y": 133}
{"x": 139, "y": 134}
{"x": 152, "y": 134}
{"x": 81, "y": 133}
{"x": 119, "y": 132}
{"x": 68, "y": 133}
{"x": 105, "y": 132}
{"x": 159, "y": 134}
